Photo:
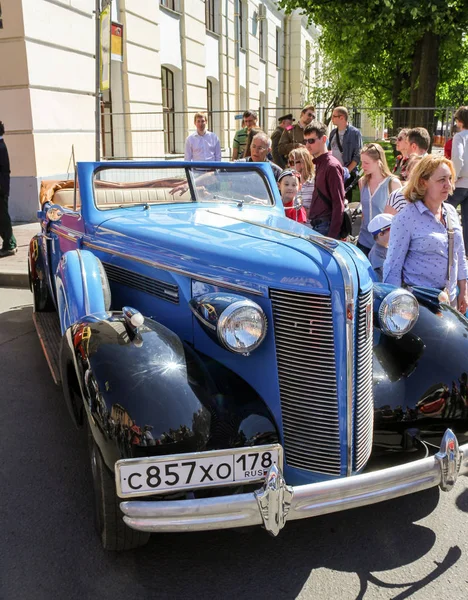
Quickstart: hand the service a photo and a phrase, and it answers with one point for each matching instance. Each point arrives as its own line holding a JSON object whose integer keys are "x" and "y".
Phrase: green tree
{"x": 402, "y": 52}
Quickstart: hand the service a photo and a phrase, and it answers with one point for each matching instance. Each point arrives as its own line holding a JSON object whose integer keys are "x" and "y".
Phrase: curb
{"x": 14, "y": 279}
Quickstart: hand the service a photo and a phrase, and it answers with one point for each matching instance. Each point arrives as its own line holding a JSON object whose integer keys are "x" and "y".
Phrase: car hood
{"x": 249, "y": 247}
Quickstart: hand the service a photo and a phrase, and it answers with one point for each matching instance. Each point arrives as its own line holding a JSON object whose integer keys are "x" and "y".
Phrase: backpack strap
{"x": 450, "y": 236}
{"x": 325, "y": 198}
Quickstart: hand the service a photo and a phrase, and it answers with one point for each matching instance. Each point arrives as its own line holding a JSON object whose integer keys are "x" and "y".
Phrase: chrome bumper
{"x": 275, "y": 503}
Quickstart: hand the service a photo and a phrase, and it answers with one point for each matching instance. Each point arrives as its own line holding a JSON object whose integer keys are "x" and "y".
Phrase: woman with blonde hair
{"x": 426, "y": 241}
{"x": 300, "y": 160}
{"x": 375, "y": 186}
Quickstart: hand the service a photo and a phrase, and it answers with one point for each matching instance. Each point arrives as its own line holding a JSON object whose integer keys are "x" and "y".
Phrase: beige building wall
{"x": 47, "y": 80}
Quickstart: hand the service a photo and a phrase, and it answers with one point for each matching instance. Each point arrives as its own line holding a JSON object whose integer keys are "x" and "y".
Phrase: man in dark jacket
{"x": 6, "y": 231}
{"x": 285, "y": 122}
{"x": 293, "y": 136}
{"x": 345, "y": 143}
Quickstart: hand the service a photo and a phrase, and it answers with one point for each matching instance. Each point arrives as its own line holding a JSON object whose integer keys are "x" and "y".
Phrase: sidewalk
{"x": 14, "y": 269}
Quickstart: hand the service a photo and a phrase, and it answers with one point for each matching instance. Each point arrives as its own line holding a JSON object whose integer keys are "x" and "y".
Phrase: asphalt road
{"x": 414, "y": 547}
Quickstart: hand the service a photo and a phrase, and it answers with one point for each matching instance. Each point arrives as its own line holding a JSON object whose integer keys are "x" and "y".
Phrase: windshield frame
{"x": 190, "y": 180}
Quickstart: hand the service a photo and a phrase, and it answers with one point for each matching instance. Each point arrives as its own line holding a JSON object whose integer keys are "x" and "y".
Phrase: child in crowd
{"x": 288, "y": 183}
{"x": 379, "y": 227}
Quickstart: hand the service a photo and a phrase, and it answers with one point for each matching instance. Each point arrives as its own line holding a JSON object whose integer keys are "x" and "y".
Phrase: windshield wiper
{"x": 144, "y": 204}
{"x": 238, "y": 201}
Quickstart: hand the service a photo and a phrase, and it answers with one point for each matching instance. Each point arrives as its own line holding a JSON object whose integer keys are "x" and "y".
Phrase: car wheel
{"x": 41, "y": 296}
{"x": 114, "y": 534}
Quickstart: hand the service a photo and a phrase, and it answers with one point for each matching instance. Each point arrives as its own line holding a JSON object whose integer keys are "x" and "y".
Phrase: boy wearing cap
{"x": 288, "y": 183}
{"x": 284, "y": 122}
{"x": 379, "y": 227}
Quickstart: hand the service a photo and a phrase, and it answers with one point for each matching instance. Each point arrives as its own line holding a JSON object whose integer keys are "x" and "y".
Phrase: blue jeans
{"x": 320, "y": 225}
{"x": 460, "y": 196}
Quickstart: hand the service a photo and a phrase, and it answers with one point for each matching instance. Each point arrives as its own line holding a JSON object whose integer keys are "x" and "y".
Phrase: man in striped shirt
{"x": 249, "y": 120}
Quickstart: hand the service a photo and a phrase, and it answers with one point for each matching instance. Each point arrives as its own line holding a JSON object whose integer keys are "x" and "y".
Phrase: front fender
{"x": 150, "y": 394}
{"x": 81, "y": 287}
{"x": 421, "y": 379}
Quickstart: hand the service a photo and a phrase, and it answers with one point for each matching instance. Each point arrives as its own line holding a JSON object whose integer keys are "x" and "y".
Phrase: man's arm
{"x": 335, "y": 187}
{"x": 458, "y": 149}
{"x": 188, "y": 155}
{"x": 235, "y": 148}
{"x": 275, "y": 138}
{"x": 286, "y": 143}
{"x": 4, "y": 161}
{"x": 217, "y": 152}
{"x": 357, "y": 145}
{"x": 400, "y": 237}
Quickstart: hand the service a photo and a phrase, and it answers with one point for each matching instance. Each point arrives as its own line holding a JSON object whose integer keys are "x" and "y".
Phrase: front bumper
{"x": 275, "y": 503}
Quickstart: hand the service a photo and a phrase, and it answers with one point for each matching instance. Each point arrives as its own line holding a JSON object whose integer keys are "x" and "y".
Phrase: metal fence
{"x": 161, "y": 135}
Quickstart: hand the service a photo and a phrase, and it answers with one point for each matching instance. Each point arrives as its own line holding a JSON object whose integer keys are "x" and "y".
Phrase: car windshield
{"x": 127, "y": 187}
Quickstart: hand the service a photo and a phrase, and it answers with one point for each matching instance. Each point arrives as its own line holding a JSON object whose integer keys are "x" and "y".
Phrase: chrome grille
{"x": 364, "y": 399}
{"x": 160, "y": 289}
{"x": 305, "y": 354}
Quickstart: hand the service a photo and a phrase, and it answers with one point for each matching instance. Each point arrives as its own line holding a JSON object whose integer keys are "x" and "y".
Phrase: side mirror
{"x": 54, "y": 213}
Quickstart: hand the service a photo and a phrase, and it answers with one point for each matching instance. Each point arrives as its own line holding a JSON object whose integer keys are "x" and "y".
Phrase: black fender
{"x": 421, "y": 380}
{"x": 149, "y": 394}
{"x": 39, "y": 274}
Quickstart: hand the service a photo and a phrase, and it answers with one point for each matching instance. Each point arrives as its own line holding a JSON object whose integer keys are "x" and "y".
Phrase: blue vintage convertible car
{"x": 230, "y": 366}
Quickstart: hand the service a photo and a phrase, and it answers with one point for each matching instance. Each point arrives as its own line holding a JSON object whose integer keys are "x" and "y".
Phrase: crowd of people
{"x": 410, "y": 227}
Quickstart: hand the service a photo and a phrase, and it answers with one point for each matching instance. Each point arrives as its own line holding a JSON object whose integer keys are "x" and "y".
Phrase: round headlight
{"x": 398, "y": 313}
{"x": 242, "y": 326}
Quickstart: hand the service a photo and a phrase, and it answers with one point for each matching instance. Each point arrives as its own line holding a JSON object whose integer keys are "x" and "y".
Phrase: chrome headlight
{"x": 242, "y": 326}
{"x": 398, "y": 313}
{"x": 235, "y": 322}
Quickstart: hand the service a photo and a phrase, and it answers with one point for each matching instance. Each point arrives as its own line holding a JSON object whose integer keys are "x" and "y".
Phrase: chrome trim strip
{"x": 196, "y": 276}
{"x": 66, "y": 233}
{"x": 85, "y": 284}
{"x": 70, "y": 237}
{"x": 349, "y": 298}
{"x": 241, "y": 510}
{"x": 201, "y": 319}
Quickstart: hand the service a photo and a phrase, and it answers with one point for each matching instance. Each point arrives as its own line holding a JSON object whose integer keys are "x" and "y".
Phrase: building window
{"x": 241, "y": 20}
{"x": 167, "y": 77}
{"x": 209, "y": 99}
{"x": 210, "y": 20}
{"x": 172, "y": 4}
{"x": 278, "y": 48}
{"x": 261, "y": 38}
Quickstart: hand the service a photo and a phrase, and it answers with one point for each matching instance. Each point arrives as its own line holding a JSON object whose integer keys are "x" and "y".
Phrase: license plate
{"x": 160, "y": 475}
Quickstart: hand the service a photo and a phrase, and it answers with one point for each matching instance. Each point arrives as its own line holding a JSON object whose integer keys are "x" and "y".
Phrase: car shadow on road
{"x": 247, "y": 563}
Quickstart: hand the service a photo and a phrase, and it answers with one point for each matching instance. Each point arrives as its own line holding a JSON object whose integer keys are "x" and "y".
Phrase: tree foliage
{"x": 402, "y": 53}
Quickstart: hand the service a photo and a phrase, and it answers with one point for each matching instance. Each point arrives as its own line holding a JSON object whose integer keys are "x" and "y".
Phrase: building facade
{"x": 169, "y": 59}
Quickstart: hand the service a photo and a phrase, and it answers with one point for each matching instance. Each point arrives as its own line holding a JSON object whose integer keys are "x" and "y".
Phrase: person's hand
{"x": 181, "y": 188}
{"x": 463, "y": 303}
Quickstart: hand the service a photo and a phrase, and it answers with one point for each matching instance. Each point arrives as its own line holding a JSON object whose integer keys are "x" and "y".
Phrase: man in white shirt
{"x": 202, "y": 145}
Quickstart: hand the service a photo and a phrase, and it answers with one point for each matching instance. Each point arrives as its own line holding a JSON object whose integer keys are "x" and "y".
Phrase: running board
{"x": 48, "y": 329}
